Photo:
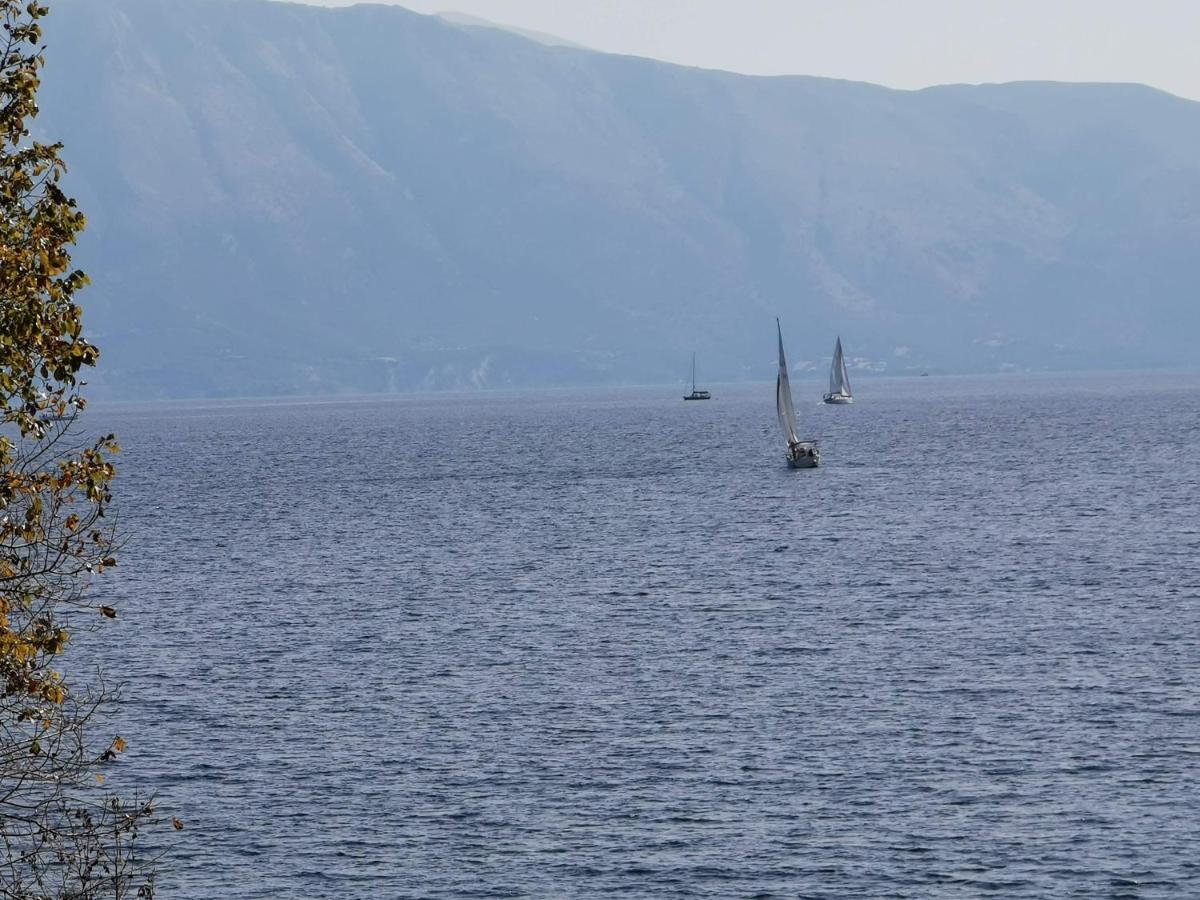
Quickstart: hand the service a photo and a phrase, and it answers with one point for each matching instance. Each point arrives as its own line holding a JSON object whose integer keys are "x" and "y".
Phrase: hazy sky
{"x": 901, "y": 43}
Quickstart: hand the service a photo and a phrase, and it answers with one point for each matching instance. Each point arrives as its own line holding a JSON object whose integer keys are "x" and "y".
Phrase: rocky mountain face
{"x": 291, "y": 199}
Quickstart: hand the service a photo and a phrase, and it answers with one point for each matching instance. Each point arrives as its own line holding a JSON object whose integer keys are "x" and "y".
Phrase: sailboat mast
{"x": 693, "y": 371}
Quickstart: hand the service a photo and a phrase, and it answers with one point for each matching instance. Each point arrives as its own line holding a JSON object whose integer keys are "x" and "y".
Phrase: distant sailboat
{"x": 695, "y": 394}
{"x": 800, "y": 454}
{"x": 839, "y": 381}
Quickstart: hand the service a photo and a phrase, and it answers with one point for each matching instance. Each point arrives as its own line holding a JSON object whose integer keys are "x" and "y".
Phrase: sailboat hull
{"x": 807, "y": 463}
{"x": 804, "y": 456}
{"x": 839, "y": 399}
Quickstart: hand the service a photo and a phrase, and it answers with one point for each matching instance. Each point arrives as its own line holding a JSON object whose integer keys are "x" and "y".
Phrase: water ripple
{"x": 600, "y": 644}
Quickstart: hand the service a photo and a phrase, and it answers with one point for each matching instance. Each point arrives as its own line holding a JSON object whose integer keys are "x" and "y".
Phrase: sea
{"x": 604, "y": 643}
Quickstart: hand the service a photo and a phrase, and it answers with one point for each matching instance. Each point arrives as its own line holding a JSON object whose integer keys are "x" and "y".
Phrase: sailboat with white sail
{"x": 695, "y": 394}
{"x": 801, "y": 454}
{"x": 839, "y": 381}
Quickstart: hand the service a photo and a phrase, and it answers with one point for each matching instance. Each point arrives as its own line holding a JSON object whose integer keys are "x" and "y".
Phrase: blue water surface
{"x": 604, "y": 643}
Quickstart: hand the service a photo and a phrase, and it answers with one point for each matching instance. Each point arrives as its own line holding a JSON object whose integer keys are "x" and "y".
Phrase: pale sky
{"x": 900, "y": 43}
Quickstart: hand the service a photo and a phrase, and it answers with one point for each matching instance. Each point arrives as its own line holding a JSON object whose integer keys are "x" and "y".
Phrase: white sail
{"x": 839, "y": 380}
{"x": 783, "y": 395}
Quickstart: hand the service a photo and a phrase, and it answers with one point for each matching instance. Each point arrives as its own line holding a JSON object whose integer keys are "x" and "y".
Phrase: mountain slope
{"x": 541, "y": 37}
{"x": 293, "y": 199}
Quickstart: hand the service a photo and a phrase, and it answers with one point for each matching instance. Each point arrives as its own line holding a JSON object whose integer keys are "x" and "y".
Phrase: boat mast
{"x": 693, "y": 371}
{"x": 842, "y": 373}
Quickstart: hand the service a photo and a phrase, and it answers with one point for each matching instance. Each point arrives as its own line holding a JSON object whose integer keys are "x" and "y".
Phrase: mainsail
{"x": 783, "y": 395}
{"x": 839, "y": 381}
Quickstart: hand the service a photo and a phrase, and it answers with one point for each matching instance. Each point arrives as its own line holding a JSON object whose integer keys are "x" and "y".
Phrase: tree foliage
{"x": 62, "y": 835}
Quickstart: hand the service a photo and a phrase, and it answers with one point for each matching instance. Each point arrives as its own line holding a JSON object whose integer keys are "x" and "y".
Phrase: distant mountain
{"x": 550, "y": 40}
{"x": 292, "y": 199}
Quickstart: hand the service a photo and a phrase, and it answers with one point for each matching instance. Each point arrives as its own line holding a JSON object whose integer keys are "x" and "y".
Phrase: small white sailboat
{"x": 839, "y": 381}
{"x": 695, "y": 394}
{"x": 800, "y": 454}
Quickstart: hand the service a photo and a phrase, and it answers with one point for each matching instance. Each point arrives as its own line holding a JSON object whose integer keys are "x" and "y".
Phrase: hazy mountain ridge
{"x": 541, "y": 37}
{"x": 292, "y": 199}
